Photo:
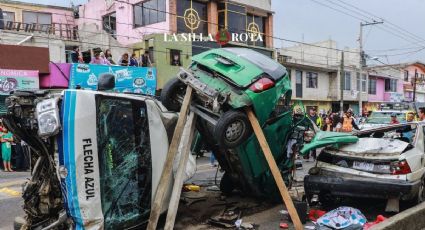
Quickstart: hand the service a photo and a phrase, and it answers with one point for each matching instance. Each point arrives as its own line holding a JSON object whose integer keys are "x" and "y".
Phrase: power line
{"x": 388, "y": 22}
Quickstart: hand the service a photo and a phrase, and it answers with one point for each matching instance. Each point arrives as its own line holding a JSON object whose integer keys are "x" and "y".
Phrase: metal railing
{"x": 65, "y": 31}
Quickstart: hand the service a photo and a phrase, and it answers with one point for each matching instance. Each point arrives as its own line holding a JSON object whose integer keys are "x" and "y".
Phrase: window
{"x": 124, "y": 161}
{"x": 361, "y": 82}
{"x": 364, "y": 82}
{"x": 8, "y": 17}
{"x": 175, "y": 56}
{"x": 347, "y": 81}
{"x": 390, "y": 85}
{"x": 406, "y": 75}
{"x": 311, "y": 80}
{"x": 149, "y": 12}
{"x": 192, "y": 17}
{"x": 234, "y": 15}
{"x": 372, "y": 86}
{"x": 37, "y": 17}
{"x": 298, "y": 83}
{"x": 110, "y": 24}
{"x": 255, "y": 26}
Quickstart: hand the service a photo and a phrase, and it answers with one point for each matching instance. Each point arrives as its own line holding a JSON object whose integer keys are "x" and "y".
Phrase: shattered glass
{"x": 125, "y": 161}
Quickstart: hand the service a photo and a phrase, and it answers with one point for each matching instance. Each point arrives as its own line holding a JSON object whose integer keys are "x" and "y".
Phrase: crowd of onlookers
{"x": 105, "y": 58}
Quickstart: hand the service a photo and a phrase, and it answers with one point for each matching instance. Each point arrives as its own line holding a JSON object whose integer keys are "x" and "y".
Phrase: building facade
{"x": 141, "y": 25}
{"x": 385, "y": 86}
{"x": 38, "y": 25}
{"x": 316, "y": 71}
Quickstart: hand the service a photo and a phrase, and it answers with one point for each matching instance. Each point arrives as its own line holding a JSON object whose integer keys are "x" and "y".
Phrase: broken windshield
{"x": 125, "y": 161}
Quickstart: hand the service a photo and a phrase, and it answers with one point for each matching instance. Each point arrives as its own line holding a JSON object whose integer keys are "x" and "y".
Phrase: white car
{"x": 385, "y": 162}
{"x": 382, "y": 118}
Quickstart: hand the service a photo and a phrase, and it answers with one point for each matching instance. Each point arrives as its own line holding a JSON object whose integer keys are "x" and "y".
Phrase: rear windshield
{"x": 268, "y": 65}
{"x": 385, "y": 117}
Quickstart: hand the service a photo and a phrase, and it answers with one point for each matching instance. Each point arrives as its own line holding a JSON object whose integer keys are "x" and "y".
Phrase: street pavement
{"x": 263, "y": 214}
{"x": 10, "y": 197}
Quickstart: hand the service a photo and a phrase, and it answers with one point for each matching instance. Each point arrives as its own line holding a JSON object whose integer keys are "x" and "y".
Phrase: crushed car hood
{"x": 383, "y": 148}
{"x": 325, "y": 138}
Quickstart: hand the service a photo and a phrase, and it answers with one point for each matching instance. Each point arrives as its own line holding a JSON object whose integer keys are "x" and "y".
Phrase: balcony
{"x": 59, "y": 30}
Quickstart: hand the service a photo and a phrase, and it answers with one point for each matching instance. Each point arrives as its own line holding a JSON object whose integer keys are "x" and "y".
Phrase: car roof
{"x": 267, "y": 64}
{"x": 389, "y": 127}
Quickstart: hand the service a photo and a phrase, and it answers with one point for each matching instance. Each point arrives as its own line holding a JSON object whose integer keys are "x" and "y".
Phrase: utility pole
{"x": 414, "y": 85}
{"x": 363, "y": 62}
{"x": 342, "y": 79}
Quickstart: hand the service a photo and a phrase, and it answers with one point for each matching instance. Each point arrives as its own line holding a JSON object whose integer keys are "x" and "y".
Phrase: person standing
{"x": 133, "y": 60}
{"x": 421, "y": 114}
{"x": 348, "y": 122}
{"x": 394, "y": 120}
{"x": 6, "y": 149}
{"x": 124, "y": 60}
{"x": 328, "y": 126}
{"x": 108, "y": 56}
{"x": 75, "y": 54}
{"x": 314, "y": 118}
{"x": 145, "y": 60}
{"x": 317, "y": 121}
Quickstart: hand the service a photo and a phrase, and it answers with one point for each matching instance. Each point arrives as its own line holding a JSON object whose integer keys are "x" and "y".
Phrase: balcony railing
{"x": 61, "y": 30}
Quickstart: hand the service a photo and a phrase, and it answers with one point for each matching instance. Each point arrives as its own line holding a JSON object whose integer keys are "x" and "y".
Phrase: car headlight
{"x": 48, "y": 117}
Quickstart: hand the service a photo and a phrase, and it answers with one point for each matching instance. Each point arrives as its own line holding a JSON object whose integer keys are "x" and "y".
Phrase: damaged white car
{"x": 386, "y": 162}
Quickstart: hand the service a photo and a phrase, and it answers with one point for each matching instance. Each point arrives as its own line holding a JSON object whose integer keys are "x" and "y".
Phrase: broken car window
{"x": 125, "y": 161}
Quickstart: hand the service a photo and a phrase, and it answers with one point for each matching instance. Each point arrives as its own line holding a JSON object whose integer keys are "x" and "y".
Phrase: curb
{"x": 411, "y": 219}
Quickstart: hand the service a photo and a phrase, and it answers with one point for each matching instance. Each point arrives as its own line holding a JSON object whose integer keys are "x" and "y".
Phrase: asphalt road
{"x": 10, "y": 197}
{"x": 264, "y": 215}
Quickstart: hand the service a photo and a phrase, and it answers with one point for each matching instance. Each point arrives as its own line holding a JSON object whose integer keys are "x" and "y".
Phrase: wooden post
{"x": 168, "y": 165}
{"x": 186, "y": 142}
{"x": 275, "y": 170}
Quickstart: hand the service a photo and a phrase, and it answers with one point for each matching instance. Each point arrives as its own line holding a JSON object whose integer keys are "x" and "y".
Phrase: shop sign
{"x": 11, "y": 80}
{"x": 140, "y": 80}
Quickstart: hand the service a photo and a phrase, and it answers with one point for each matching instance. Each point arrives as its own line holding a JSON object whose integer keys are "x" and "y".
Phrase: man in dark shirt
{"x": 74, "y": 54}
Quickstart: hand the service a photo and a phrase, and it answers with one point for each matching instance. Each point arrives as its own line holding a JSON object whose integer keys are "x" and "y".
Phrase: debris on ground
{"x": 315, "y": 214}
{"x": 378, "y": 220}
{"x": 283, "y": 225}
{"x": 191, "y": 187}
{"x": 342, "y": 218}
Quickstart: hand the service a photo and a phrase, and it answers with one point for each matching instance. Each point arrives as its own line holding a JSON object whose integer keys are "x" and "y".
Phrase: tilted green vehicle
{"x": 226, "y": 81}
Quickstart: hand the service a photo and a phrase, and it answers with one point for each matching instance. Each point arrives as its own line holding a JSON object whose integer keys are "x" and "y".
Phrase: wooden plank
{"x": 275, "y": 170}
{"x": 186, "y": 142}
{"x": 168, "y": 165}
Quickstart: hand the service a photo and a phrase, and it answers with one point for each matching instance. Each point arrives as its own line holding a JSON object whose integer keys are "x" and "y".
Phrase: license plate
{"x": 363, "y": 166}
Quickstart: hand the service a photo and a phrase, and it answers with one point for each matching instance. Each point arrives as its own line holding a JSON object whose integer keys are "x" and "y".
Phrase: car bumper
{"x": 360, "y": 187}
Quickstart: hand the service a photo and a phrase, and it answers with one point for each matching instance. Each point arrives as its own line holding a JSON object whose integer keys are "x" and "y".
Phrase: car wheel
{"x": 232, "y": 129}
{"x": 226, "y": 184}
{"x": 172, "y": 94}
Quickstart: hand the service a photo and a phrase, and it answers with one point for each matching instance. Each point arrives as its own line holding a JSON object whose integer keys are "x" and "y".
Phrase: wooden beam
{"x": 168, "y": 165}
{"x": 185, "y": 144}
{"x": 275, "y": 170}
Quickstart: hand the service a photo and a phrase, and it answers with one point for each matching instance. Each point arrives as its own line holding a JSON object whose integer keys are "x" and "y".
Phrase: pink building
{"x": 124, "y": 21}
{"x": 385, "y": 86}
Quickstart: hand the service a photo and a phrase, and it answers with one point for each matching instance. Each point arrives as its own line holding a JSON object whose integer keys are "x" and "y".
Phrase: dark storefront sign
{"x": 24, "y": 58}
